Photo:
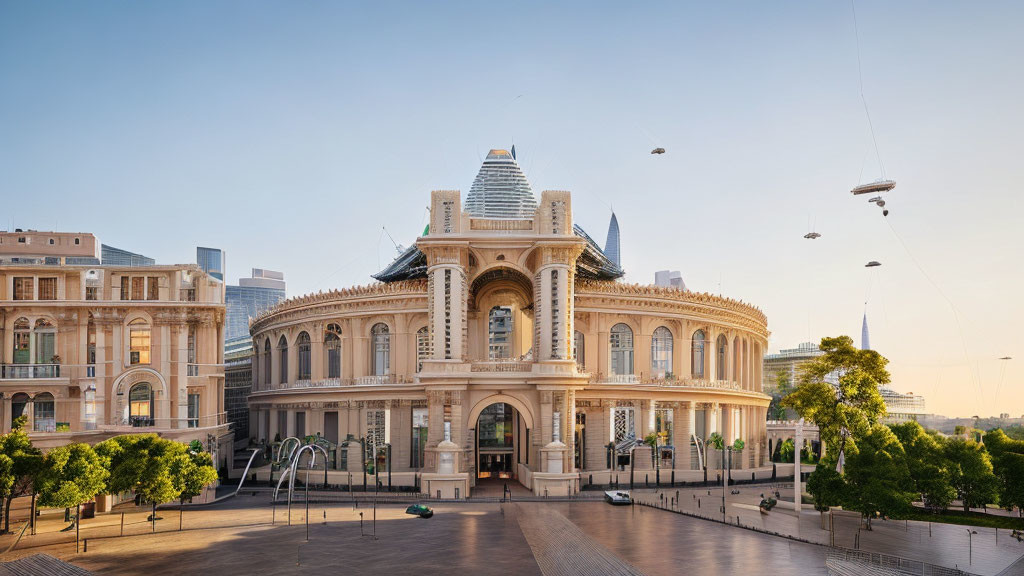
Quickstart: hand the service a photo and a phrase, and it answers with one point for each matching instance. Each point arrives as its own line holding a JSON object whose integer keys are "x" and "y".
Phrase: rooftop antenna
{"x": 398, "y": 247}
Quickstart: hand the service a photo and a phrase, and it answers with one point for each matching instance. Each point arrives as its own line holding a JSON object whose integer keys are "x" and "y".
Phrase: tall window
{"x": 282, "y": 355}
{"x": 18, "y": 403}
{"x": 191, "y": 344}
{"x": 663, "y": 424}
{"x": 661, "y": 352}
{"x": 621, "y": 340}
{"x": 139, "y": 342}
{"x": 377, "y": 427}
{"x": 422, "y": 347}
{"x": 332, "y": 347}
{"x": 22, "y": 338}
{"x": 138, "y": 288}
{"x": 43, "y": 413}
{"x": 721, "y": 346}
{"x": 91, "y": 339}
{"x": 499, "y": 333}
{"x": 23, "y": 289}
{"x": 193, "y": 410}
{"x": 419, "y": 437}
{"x": 153, "y": 288}
{"x": 305, "y": 356}
{"x": 140, "y": 404}
{"x": 46, "y": 336}
{"x": 622, "y": 424}
{"x": 266, "y": 362}
{"x": 381, "y": 342}
{"x": 47, "y": 289}
{"x": 697, "y": 362}
{"x": 578, "y": 350}
{"x": 89, "y": 408}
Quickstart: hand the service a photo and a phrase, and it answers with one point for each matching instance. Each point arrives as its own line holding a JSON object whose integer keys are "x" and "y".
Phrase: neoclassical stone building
{"x": 505, "y": 339}
{"x": 92, "y": 351}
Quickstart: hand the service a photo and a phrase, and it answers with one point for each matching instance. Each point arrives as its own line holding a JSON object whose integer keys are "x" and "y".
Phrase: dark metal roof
{"x": 593, "y": 264}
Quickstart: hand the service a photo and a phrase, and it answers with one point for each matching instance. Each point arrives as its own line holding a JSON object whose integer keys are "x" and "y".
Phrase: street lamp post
{"x": 970, "y": 545}
{"x": 725, "y": 481}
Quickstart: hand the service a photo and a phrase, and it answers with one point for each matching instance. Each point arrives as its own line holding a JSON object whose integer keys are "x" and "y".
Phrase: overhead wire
{"x": 863, "y": 99}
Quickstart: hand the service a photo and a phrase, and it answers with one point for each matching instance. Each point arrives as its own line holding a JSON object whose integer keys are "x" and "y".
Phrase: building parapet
{"x": 416, "y": 287}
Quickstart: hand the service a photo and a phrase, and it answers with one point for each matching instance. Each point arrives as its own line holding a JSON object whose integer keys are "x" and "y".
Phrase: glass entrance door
{"x": 495, "y": 465}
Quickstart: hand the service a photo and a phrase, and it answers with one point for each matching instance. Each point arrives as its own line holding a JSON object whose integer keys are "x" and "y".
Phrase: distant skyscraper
{"x": 500, "y": 189}
{"x": 611, "y": 245}
{"x": 110, "y": 256}
{"x": 211, "y": 260}
{"x": 252, "y": 295}
{"x": 669, "y": 278}
{"x": 865, "y": 342}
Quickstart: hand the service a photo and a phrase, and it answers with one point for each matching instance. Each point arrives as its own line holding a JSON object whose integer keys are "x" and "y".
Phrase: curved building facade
{"x": 506, "y": 348}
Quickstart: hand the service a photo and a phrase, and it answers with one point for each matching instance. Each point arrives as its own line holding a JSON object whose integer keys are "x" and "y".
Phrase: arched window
{"x": 381, "y": 343}
{"x": 46, "y": 336}
{"x": 422, "y": 347}
{"x": 305, "y": 356}
{"x": 266, "y": 362}
{"x": 332, "y": 351}
{"x": 18, "y": 403}
{"x": 43, "y": 414}
{"x": 621, "y": 341}
{"x": 578, "y": 350}
{"x": 282, "y": 355}
{"x": 91, "y": 339}
{"x": 721, "y": 347}
{"x": 661, "y": 352}
{"x": 140, "y": 404}
{"x": 499, "y": 333}
{"x": 139, "y": 342}
{"x": 22, "y": 336}
{"x": 697, "y": 348}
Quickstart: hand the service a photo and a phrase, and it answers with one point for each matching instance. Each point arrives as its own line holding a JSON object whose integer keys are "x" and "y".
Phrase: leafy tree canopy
{"x": 71, "y": 475}
{"x": 971, "y": 473}
{"x": 877, "y": 477}
{"x": 827, "y": 486}
{"x": 848, "y": 411}
{"x": 1008, "y": 465}
{"x": 929, "y": 468}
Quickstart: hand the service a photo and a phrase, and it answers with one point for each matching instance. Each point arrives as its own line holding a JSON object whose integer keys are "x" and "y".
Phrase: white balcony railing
{"x": 29, "y": 371}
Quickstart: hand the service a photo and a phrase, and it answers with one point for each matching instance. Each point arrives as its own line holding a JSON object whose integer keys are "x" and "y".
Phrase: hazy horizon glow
{"x": 289, "y": 134}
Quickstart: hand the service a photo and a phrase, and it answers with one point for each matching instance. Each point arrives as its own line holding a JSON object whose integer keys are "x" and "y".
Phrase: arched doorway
{"x": 498, "y": 431}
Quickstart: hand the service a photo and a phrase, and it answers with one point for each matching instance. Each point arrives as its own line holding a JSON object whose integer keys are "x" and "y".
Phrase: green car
{"x": 419, "y": 510}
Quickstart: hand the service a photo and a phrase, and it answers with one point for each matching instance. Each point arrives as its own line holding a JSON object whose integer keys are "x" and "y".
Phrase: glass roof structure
{"x": 500, "y": 189}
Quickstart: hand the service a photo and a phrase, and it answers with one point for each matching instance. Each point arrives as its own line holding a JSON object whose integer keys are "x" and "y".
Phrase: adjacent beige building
{"x": 93, "y": 351}
{"x": 507, "y": 348}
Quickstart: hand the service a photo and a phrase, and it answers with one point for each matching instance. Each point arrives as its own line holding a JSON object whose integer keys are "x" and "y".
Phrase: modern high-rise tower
{"x": 865, "y": 342}
{"x": 611, "y": 244}
{"x": 251, "y": 297}
{"x": 211, "y": 260}
{"x": 500, "y": 189}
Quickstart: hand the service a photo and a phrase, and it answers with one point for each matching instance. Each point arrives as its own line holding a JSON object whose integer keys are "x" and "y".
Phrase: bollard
{"x": 325, "y": 517}
{"x": 85, "y": 545}
{"x": 360, "y": 523}
{"x": 122, "y": 523}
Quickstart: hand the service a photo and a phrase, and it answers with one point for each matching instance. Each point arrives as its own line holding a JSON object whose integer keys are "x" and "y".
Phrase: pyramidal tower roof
{"x": 611, "y": 244}
{"x": 500, "y": 189}
{"x": 865, "y": 340}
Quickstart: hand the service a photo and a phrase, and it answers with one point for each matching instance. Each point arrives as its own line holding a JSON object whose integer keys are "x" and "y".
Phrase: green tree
{"x": 783, "y": 387}
{"x": 192, "y": 470}
{"x": 71, "y": 475}
{"x": 1016, "y": 432}
{"x": 928, "y": 465}
{"x": 877, "y": 477}
{"x": 1008, "y": 465}
{"x": 786, "y": 451}
{"x": 827, "y": 486}
{"x": 971, "y": 473}
{"x": 19, "y": 468}
{"x": 849, "y": 410}
{"x": 124, "y": 457}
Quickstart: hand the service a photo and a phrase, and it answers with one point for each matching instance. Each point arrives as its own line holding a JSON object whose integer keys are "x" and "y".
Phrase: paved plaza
{"x": 544, "y": 538}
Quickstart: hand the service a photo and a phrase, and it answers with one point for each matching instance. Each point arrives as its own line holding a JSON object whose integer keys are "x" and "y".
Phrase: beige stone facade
{"x": 89, "y": 352}
{"x": 505, "y": 313}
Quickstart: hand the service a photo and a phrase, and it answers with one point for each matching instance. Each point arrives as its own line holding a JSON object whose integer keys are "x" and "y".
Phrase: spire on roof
{"x": 500, "y": 189}
{"x": 865, "y": 342}
{"x": 611, "y": 245}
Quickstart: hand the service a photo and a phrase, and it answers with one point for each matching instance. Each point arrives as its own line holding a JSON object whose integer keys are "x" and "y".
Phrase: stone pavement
{"x": 561, "y": 548}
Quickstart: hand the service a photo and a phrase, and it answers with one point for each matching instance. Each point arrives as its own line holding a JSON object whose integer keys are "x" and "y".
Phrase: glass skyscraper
{"x": 110, "y": 256}
{"x": 211, "y": 260}
{"x": 252, "y": 295}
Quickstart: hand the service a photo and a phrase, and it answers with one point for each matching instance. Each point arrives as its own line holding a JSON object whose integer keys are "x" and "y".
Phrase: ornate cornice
{"x": 345, "y": 299}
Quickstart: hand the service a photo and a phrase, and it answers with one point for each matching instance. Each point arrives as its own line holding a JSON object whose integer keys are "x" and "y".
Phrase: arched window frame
{"x": 22, "y": 349}
{"x": 422, "y": 347}
{"x": 499, "y": 342}
{"x": 268, "y": 374}
{"x": 720, "y": 362}
{"x": 140, "y": 404}
{"x": 45, "y": 335}
{"x": 620, "y": 342}
{"x": 282, "y": 355}
{"x": 380, "y": 349}
{"x": 305, "y": 352}
{"x": 44, "y": 416}
{"x": 661, "y": 352}
{"x": 697, "y": 354}
{"x": 332, "y": 351}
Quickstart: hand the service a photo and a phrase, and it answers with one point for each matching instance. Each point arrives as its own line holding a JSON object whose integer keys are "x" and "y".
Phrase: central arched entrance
{"x": 496, "y": 442}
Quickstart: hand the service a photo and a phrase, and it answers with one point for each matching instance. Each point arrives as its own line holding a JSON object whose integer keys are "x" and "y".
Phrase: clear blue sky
{"x": 289, "y": 133}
